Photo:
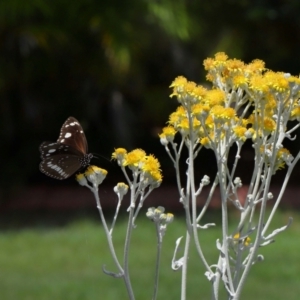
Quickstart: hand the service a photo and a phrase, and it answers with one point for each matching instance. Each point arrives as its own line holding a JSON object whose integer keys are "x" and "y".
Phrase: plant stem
{"x": 156, "y": 276}
{"x": 185, "y": 266}
{"x": 127, "y": 244}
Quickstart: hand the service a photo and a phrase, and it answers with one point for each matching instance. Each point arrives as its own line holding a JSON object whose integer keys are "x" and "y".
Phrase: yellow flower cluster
{"x": 138, "y": 161}
{"x": 159, "y": 216}
{"x": 282, "y": 157}
{"x": 245, "y": 102}
{"x": 246, "y": 241}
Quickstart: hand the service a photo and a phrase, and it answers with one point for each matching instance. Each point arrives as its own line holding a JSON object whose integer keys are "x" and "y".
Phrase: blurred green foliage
{"x": 109, "y": 64}
{"x": 64, "y": 263}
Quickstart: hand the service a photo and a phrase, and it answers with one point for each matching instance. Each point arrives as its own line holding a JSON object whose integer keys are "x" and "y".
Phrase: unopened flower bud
{"x": 121, "y": 189}
{"x": 95, "y": 175}
{"x": 81, "y": 179}
{"x": 205, "y": 180}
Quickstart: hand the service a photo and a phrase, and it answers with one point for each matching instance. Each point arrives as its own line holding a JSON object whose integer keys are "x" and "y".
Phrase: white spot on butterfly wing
{"x": 68, "y": 134}
{"x": 56, "y": 168}
{"x": 47, "y": 145}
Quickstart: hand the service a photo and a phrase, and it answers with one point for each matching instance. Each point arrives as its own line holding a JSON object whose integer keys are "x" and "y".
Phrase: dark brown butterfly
{"x": 62, "y": 159}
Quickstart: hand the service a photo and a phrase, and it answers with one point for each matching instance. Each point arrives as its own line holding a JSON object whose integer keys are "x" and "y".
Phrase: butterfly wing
{"x": 60, "y": 166}
{"x": 48, "y": 149}
{"x": 62, "y": 159}
{"x": 72, "y": 134}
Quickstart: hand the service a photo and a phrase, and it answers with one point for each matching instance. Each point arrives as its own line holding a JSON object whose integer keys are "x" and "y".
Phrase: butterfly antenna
{"x": 96, "y": 155}
{"x": 111, "y": 164}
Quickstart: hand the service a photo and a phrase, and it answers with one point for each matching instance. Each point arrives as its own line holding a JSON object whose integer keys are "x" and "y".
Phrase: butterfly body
{"x": 62, "y": 159}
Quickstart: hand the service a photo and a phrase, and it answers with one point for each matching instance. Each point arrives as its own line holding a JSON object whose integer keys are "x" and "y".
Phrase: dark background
{"x": 109, "y": 64}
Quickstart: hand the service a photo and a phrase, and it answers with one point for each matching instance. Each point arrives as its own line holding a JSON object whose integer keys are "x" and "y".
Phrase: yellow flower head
{"x": 244, "y": 122}
{"x": 269, "y": 125}
{"x": 221, "y": 113}
{"x": 257, "y": 66}
{"x": 178, "y": 86}
{"x": 234, "y": 66}
{"x": 209, "y": 64}
{"x": 181, "y": 86}
{"x": 277, "y": 81}
{"x": 263, "y": 125}
{"x": 184, "y": 126}
{"x": 121, "y": 189}
{"x": 209, "y": 122}
{"x": 94, "y": 169}
{"x": 185, "y": 91}
{"x": 270, "y": 104}
{"x": 239, "y": 81}
{"x": 246, "y": 241}
{"x": 81, "y": 179}
{"x": 190, "y": 87}
{"x": 251, "y": 132}
{"x": 151, "y": 168}
{"x": 169, "y": 131}
{"x": 282, "y": 156}
{"x": 119, "y": 155}
{"x": 215, "y": 97}
{"x": 150, "y": 163}
{"x": 134, "y": 158}
{"x": 167, "y": 135}
{"x": 179, "y": 82}
{"x": 240, "y": 132}
{"x": 295, "y": 113}
{"x": 215, "y": 66}
{"x": 119, "y": 152}
{"x": 166, "y": 218}
{"x": 199, "y": 92}
{"x": 205, "y": 141}
{"x": 221, "y": 57}
{"x": 210, "y": 77}
{"x": 177, "y": 116}
{"x": 294, "y": 81}
{"x": 95, "y": 175}
{"x": 258, "y": 83}
{"x": 199, "y": 109}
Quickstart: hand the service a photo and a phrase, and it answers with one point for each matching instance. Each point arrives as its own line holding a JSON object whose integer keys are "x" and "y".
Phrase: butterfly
{"x": 62, "y": 159}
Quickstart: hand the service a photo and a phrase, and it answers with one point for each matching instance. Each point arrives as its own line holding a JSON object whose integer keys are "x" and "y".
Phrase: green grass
{"x": 65, "y": 263}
